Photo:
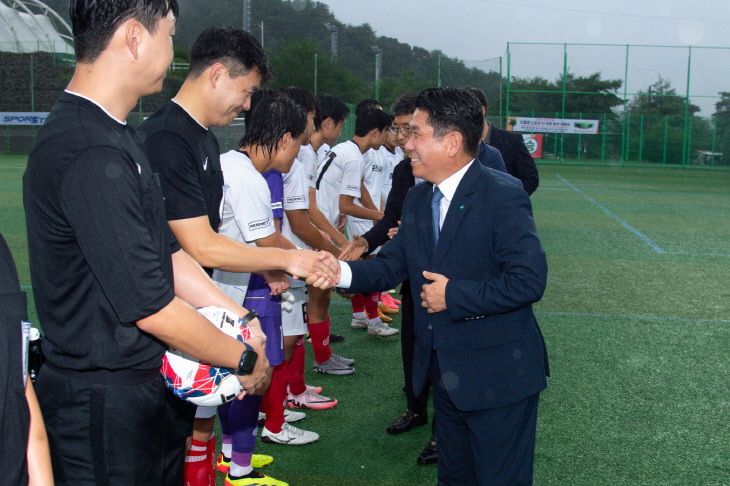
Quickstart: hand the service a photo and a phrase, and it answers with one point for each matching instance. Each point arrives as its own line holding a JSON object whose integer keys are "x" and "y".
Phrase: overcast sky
{"x": 480, "y": 29}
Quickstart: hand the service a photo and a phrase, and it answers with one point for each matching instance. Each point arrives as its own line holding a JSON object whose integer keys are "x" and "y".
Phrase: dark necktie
{"x": 436, "y": 213}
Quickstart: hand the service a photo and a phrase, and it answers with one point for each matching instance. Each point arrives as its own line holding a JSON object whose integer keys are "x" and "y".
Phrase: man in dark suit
{"x": 517, "y": 159}
{"x": 468, "y": 244}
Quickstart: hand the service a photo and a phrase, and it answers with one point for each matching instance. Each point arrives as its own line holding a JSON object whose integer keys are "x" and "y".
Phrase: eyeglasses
{"x": 402, "y": 130}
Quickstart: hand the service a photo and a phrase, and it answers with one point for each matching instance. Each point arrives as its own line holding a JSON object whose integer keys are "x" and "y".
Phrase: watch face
{"x": 248, "y": 362}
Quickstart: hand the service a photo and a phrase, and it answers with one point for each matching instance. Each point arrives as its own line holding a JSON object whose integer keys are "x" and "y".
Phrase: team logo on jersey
{"x": 261, "y": 223}
{"x": 352, "y": 188}
{"x": 276, "y": 205}
{"x": 205, "y": 164}
{"x": 295, "y": 199}
{"x": 377, "y": 168}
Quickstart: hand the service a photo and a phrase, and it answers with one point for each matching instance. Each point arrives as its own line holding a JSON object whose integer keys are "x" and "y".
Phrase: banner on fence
{"x": 552, "y": 125}
{"x": 533, "y": 142}
{"x": 23, "y": 118}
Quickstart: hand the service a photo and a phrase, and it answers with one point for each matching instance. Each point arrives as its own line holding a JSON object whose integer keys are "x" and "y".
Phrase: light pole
{"x": 246, "y": 22}
{"x": 333, "y": 30}
{"x": 378, "y": 64}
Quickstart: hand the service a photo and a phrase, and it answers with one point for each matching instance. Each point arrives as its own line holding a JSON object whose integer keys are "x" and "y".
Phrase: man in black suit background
{"x": 517, "y": 159}
{"x": 468, "y": 244}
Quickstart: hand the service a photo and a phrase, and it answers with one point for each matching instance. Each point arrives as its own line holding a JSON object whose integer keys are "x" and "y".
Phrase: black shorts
{"x": 121, "y": 434}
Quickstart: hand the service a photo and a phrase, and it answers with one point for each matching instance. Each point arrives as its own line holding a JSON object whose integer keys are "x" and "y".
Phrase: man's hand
{"x": 320, "y": 269}
{"x": 341, "y": 222}
{"x": 433, "y": 295}
{"x": 257, "y": 382}
{"x": 277, "y": 281}
{"x": 393, "y": 231}
{"x": 259, "y": 388}
{"x": 354, "y": 249}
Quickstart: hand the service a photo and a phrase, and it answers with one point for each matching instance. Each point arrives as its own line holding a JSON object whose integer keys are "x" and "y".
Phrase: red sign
{"x": 533, "y": 142}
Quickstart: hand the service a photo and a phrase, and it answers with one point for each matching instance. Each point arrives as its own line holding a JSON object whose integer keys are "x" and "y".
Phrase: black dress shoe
{"x": 407, "y": 421}
{"x": 336, "y": 338}
{"x": 429, "y": 454}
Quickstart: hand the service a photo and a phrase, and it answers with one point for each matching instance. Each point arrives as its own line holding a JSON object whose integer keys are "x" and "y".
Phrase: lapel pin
{"x": 461, "y": 208}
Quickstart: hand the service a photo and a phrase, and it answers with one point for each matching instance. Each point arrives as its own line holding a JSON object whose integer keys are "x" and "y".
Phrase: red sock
{"x": 371, "y": 305}
{"x": 358, "y": 303}
{"x": 275, "y": 399}
{"x": 211, "y": 460}
{"x": 320, "y": 334}
{"x": 295, "y": 369}
{"x": 196, "y": 464}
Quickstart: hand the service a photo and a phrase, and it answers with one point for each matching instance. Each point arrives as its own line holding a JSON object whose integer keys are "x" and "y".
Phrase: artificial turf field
{"x": 636, "y": 317}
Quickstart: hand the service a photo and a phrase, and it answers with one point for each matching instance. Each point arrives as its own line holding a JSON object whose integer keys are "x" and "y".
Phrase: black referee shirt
{"x": 187, "y": 157}
{"x": 99, "y": 242}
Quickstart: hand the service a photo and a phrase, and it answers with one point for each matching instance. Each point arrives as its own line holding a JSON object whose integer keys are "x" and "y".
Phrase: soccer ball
{"x": 201, "y": 383}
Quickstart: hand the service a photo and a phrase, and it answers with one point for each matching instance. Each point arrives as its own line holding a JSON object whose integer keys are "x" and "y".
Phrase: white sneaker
{"x": 343, "y": 360}
{"x": 289, "y": 435}
{"x": 290, "y": 416}
{"x": 311, "y": 400}
{"x": 359, "y": 323}
{"x": 381, "y": 329}
{"x": 333, "y": 367}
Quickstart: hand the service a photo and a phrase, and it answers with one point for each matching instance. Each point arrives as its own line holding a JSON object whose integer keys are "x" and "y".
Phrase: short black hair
{"x": 371, "y": 118}
{"x": 405, "y": 105}
{"x": 257, "y": 96}
{"x": 479, "y": 94}
{"x": 236, "y": 49}
{"x": 301, "y": 97}
{"x": 329, "y": 106}
{"x": 272, "y": 117}
{"x": 94, "y": 22}
{"x": 453, "y": 110}
{"x": 365, "y": 104}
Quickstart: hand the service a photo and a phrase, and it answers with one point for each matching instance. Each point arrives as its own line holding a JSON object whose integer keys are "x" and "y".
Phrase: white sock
{"x": 239, "y": 471}
{"x": 227, "y": 449}
{"x": 360, "y": 316}
{"x": 375, "y": 321}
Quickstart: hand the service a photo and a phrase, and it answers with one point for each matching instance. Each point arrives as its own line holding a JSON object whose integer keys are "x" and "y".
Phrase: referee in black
{"x": 111, "y": 285}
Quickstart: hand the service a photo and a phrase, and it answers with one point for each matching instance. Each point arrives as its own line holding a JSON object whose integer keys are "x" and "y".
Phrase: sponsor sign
{"x": 32, "y": 118}
{"x": 533, "y": 142}
{"x": 552, "y": 125}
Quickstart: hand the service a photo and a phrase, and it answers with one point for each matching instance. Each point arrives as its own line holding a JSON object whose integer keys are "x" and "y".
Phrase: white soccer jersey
{"x": 308, "y": 157}
{"x": 322, "y": 153}
{"x": 338, "y": 174}
{"x": 390, "y": 160}
{"x": 246, "y": 215}
{"x": 372, "y": 175}
{"x": 296, "y": 196}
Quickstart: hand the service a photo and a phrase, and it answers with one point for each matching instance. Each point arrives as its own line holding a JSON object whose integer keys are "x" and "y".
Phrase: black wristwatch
{"x": 247, "y": 362}
{"x": 249, "y": 356}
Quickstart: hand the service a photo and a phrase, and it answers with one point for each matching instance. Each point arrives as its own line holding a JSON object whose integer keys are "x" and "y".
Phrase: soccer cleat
{"x": 253, "y": 478}
{"x": 257, "y": 461}
{"x": 359, "y": 323}
{"x": 309, "y": 388}
{"x": 336, "y": 338}
{"x": 333, "y": 367}
{"x": 387, "y": 310}
{"x": 383, "y": 317}
{"x": 312, "y": 400}
{"x": 344, "y": 361}
{"x": 381, "y": 329}
{"x": 289, "y": 435}
{"x": 389, "y": 301}
{"x": 290, "y": 416}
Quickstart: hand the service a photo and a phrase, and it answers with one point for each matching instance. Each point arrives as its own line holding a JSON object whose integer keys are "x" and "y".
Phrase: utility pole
{"x": 378, "y": 64}
{"x": 333, "y": 30}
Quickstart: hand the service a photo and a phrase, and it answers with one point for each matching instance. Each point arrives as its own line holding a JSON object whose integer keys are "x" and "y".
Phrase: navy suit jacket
{"x": 516, "y": 158}
{"x": 491, "y": 157}
{"x": 490, "y": 350}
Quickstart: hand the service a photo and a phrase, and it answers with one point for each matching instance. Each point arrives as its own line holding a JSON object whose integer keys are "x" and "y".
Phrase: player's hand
{"x": 433, "y": 295}
{"x": 393, "y": 231}
{"x": 342, "y": 222}
{"x": 319, "y": 269}
{"x": 354, "y": 249}
{"x": 277, "y": 281}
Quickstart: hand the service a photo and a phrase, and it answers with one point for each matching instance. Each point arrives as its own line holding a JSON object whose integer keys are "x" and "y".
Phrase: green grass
{"x": 638, "y": 339}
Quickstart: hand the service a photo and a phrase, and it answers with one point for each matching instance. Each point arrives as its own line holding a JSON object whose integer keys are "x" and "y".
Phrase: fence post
{"x": 500, "y": 89}
{"x": 641, "y": 136}
{"x": 628, "y": 136}
{"x": 565, "y": 83}
{"x": 509, "y": 66}
{"x": 603, "y": 139}
{"x": 315, "y": 73}
{"x": 580, "y": 137}
{"x": 624, "y": 141}
{"x": 714, "y": 133}
{"x": 666, "y": 131}
{"x": 685, "y": 144}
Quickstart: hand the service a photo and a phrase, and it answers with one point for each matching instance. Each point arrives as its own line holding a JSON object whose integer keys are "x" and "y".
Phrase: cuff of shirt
{"x": 345, "y": 276}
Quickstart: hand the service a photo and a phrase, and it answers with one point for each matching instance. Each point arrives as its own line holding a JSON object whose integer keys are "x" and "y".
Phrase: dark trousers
{"x": 105, "y": 434}
{"x": 490, "y": 447}
{"x": 416, "y": 403}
